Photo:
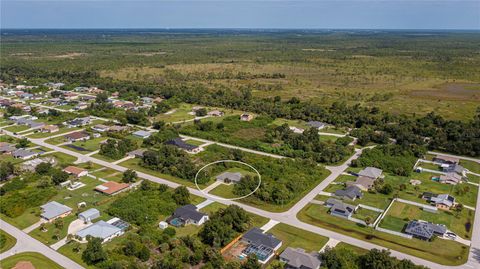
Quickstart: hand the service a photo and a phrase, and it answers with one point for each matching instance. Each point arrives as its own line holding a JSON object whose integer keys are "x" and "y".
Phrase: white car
{"x": 450, "y": 235}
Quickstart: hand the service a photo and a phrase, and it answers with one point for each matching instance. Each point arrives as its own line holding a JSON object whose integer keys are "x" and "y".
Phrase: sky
{"x": 305, "y": 14}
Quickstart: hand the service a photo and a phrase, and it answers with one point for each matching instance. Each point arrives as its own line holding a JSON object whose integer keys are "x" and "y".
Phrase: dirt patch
{"x": 147, "y": 54}
{"x": 71, "y": 55}
{"x": 451, "y": 91}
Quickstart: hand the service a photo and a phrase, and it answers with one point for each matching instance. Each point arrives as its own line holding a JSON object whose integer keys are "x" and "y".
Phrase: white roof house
{"x": 100, "y": 229}
{"x": 89, "y": 215}
{"x": 142, "y": 134}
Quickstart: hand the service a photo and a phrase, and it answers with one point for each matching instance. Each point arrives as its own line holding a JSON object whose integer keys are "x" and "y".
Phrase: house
{"x": 229, "y": 177}
{"x": 142, "y": 134}
{"x": 454, "y": 168}
{"x": 339, "y": 208}
{"x": 261, "y": 244}
{"x": 316, "y": 124}
{"x": 78, "y": 122}
{"x": 215, "y": 113}
{"x": 446, "y": 159}
{"x": 450, "y": 178}
{"x": 297, "y": 258}
{"x": 246, "y": 117}
{"x": 187, "y": 214}
{"x": 24, "y": 154}
{"x": 146, "y": 100}
{"x": 70, "y": 96}
{"x": 6, "y": 148}
{"x": 32, "y": 164}
{"x": 101, "y": 229}
{"x": 296, "y": 130}
{"x": 54, "y": 210}
{"x": 178, "y": 142}
{"x": 118, "y": 128}
{"x": 81, "y": 106}
{"x": 158, "y": 100}
{"x": 363, "y": 183}
{"x": 89, "y": 215}
{"x": 77, "y": 136}
{"x": 35, "y": 125}
{"x": 112, "y": 187}
{"x": 350, "y": 193}
{"x": 443, "y": 201}
{"x": 101, "y": 128}
{"x": 424, "y": 230}
{"x": 49, "y": 129}
{"x": 371, "y": 172}
{"x": 138, "y": 153}
{"x": 76, "y": 171}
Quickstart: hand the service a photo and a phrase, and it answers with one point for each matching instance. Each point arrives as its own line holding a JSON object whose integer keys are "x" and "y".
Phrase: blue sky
{"x": 351, "y": 14}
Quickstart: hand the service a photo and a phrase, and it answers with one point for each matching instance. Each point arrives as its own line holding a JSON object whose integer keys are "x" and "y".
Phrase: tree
{"x": 22, "y": 143}
{"x": 251, "y": 263}
{"x": 59, "y": 176}
{"x": 377, "y": 259}
{"x": 43, "y": 168}
{"x": 6, "y": 170}
{"x": 181, "y": 195}
{"x": 458, "y": 209}
{"x": 386, "y": 189}
{"x": 59, "y": 223}
{"x": 201, "y": 112}
{"x": 129, "y": 176}
{"x": 94, "y": 253}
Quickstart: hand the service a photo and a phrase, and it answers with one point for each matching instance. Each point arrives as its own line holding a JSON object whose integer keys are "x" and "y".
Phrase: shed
{"x": 89, "y": 215}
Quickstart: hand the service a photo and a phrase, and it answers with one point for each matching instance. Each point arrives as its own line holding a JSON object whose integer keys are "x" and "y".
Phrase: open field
{"x": 37, "y": 259}
{"x": 298, "y": 238}
{"x": 440, "y": 251}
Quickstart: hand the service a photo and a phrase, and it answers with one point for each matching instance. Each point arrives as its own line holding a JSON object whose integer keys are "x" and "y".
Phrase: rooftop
{"x": 54, "y": 209}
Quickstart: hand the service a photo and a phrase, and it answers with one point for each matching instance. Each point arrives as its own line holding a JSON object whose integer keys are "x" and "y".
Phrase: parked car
{"x": 450, "y": 235}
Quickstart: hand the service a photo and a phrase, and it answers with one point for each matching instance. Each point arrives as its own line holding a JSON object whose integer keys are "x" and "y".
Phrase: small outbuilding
{"x": 89, "y": 215}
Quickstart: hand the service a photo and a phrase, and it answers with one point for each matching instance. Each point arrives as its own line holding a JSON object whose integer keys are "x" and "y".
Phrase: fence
{"x": 393, "y": 232}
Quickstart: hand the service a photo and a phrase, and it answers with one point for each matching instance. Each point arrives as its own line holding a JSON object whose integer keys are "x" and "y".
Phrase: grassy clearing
{"x": 224, "y": 190}
{"x": 357, "y": 250}
{"x": 16, "y": 128}
{"x": 10, "y": 241}
{"x": 60, "y": 131}
{"x": 363, "y": 214}
{"x": 62, "y": 158}
{"x": 298, "y": 238}
{"x": 37, "y": 259}
{"x": 89, "y": 145}
{"x": 445, "y": 252}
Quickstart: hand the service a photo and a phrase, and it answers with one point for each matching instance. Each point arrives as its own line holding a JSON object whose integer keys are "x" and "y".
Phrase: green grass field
{"x": 298, "y": 238}
{"x": 440, "y": 251}
{"x": 37, "y": 259}
{"x": 353, "y": 248}
{"x": 472, "y": 166}
{"x": 10, "y": 241}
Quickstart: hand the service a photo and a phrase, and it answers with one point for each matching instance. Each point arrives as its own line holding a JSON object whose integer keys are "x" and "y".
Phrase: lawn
{"x": 89, "y": 145}
{"x": 363, "y": 214}
{"x": 17, "y": 128}
{"x": 109, "y": 174}
{"x": 472, "y": 166}
{"x": 180, "y": 114}
{"x": 62, "y": 130}
{"x": 224, "y": 190}
{"x": 298, "y": 238}
{"x": 430, "y": 166}
{"x": 401, "y": 213}
{"x": 29, "y": 217}
{"x": 256, "y": 220}
{"x": 194, "y": 142}
{"x": 445, "y": 252}
{"x": 10, "y": 241}
{"x": 62, "y": 158}
{"x": 56, "y": 140}
{"x": 68, "y": 251}
{"x": 355, "y": 249}
{"x": 37, "y": 259}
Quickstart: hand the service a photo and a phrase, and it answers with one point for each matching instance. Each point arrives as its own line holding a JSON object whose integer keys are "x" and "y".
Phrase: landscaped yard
{"x": 401, "y": 213}
{"x": 298, "y": 238}
{"x": 8, "y": 243}
{"x": 37, "y": 259}
{"x": 445, "y": 252}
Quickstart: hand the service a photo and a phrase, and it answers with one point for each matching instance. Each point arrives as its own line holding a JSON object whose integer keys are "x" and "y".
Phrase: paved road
{"x": 26, "y": 243}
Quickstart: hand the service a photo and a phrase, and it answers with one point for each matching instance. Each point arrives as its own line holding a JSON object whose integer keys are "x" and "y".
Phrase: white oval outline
{"x": 228, "y": 199}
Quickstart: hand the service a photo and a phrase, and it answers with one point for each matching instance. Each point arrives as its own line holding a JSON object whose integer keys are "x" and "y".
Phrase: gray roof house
{"x": 371, "y": 172}
{"x": 351, "y": 193}
{"x": 443, "y": 200}
{"x": 316, "y": 124}
{"x": 24, "y": 154}
{"x": 340, "y": 209}
{"x": 297, "y": 258}
{"x": 6, "y": 147}
{"x": 53, "y": 210}
{"x": 454, "y": 168}
{"x": 261, "y": 244}
{"x": 178, "y": 142}
{"x": 138, "y": 153}
{"x": 230, "y": 177}
{"x": 89, "y": 215}
{"x": 188, "y": 214}
{"x": 142, "y": 134}
{"x": 100, "y": 229}
{"x": 78, "y": 122}
{"x": 424, "y": 230}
